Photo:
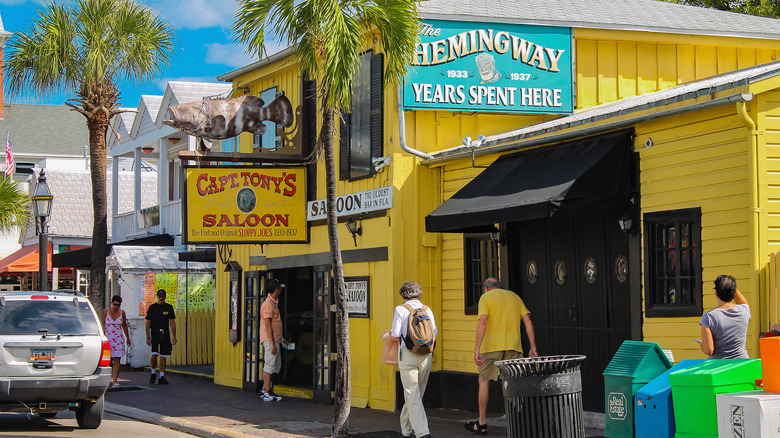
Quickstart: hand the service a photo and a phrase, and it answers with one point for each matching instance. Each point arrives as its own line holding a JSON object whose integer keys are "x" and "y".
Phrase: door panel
{"x": 586, "y": 311}
{"x": 592, "y": 277}
{"x": 564, "y": 309}
{"x": 323, "y": 369}
{"x": 529, "y": 266}
{"x": 254, "y": 282}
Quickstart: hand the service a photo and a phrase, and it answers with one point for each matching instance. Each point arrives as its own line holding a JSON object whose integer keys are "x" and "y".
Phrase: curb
{"x": 175, "y": 423}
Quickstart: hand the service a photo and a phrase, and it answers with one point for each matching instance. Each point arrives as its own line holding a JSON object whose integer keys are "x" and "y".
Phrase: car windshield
{"x": 47, "y": 316}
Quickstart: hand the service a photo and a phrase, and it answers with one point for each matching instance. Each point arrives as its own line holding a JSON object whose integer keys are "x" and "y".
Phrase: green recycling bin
{"x": 633, "y": 366}
{"x": 694, "y": 390}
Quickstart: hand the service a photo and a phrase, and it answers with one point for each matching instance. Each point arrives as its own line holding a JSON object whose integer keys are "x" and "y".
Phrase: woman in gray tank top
{"x": 724, "y": 328}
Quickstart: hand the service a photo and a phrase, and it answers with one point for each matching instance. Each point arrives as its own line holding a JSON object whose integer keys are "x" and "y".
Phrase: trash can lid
{"x": 718, "y": 372}
{"x": 539, "y": 366}
{"x": 642, "y": 361}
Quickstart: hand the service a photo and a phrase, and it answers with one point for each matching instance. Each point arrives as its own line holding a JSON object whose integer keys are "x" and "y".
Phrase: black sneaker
{"x": 153, "y": 378}
{"x": 162, "y": 381}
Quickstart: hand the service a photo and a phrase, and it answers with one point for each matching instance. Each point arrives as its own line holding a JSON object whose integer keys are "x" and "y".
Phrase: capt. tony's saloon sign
{"x": 491, "y": 67}
{"x": 245, "y": 204}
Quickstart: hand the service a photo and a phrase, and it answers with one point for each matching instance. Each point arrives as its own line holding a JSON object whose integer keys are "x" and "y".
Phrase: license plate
{"x": 41, "y": 354}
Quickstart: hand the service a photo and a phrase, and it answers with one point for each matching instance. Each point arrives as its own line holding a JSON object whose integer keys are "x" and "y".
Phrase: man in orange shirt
{"x": 271, "y": 338}
{"x": 498, "y": 338}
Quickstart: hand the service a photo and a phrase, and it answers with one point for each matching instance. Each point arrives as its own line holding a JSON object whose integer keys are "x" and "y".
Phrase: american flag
{"x": 9, "y": 156}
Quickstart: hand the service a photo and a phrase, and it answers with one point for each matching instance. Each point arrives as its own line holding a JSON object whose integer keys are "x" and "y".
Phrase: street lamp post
{"x": 42, "y": 200}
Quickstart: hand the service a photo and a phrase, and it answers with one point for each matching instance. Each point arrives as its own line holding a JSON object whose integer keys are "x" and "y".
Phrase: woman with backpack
{"x": 415, "y": 329}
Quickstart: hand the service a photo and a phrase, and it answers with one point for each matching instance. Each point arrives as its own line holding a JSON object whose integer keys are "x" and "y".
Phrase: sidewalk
{"x": 192, "y": 404}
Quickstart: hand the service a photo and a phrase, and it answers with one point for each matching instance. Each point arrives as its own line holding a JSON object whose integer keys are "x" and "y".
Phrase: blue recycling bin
{"x": 653, "y": 410}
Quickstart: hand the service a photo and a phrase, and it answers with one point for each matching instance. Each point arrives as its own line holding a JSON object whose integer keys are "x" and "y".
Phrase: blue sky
{"x": 205, "y": 47}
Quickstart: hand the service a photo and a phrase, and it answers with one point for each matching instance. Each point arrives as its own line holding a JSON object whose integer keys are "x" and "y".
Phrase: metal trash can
{"x": 543, "y": 396}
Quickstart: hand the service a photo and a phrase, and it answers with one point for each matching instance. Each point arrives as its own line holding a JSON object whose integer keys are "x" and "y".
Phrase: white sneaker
{"x": 271, "y": 394}
{"x": 265, "y": 397}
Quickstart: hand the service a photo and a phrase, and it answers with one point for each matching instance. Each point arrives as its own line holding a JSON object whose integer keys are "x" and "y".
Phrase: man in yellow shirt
{"x": 498, "y": 338}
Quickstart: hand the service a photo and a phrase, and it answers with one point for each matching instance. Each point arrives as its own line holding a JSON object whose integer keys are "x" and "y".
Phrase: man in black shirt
{"x": 158, "y": 317}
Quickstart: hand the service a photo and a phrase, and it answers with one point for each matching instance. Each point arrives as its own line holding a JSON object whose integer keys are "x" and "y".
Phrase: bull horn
{"x": 280, "y": 111}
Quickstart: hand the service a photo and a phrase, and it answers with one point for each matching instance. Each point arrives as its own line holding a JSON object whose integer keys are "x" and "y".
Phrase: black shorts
{"x": 161, "y": 344}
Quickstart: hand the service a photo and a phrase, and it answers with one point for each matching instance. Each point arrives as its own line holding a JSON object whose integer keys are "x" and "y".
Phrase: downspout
{"x": 756, "y": 210}
{"x": 402, "y": 130}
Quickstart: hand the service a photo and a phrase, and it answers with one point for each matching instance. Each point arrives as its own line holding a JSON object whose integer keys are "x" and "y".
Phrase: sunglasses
{"x": 116, "y": 304}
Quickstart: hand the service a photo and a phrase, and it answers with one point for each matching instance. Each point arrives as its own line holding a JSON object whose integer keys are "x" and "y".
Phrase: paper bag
{"x": 390, "y": 350}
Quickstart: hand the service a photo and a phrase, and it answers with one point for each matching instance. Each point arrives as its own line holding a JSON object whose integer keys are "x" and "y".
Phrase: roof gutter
{"x": 540, "y": 138}
{"x": 229, "y": 76}
{"x": 402, "y": 130}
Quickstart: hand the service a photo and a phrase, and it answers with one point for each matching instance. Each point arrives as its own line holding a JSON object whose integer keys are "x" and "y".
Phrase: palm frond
{"x": 14, "y": 205}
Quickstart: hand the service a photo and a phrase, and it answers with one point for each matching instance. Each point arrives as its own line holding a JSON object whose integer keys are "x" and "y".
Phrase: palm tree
{"x": 14, "y": 205}
{"x": 87, "y": 47}
{"x": 328, "y": 37}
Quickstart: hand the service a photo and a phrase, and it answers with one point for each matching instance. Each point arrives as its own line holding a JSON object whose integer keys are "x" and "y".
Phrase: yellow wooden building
{"x": 606, "y": 163}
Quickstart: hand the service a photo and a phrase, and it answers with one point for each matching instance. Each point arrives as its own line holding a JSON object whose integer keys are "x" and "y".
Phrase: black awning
{"x": 199, "y": 255}
{"x": 82, "y": 258}
{"x": 591, "y": 176}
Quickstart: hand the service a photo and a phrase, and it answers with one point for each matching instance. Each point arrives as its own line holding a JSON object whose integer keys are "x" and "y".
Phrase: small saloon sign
{"x": 245, "y": 205}
{"x": 491, "y": 67}
{"x": 358, "y": 296}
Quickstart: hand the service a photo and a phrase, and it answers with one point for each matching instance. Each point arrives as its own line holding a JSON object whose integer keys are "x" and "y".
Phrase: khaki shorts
{"x": 272, "y": 363}
{"x": 488, "y": 370}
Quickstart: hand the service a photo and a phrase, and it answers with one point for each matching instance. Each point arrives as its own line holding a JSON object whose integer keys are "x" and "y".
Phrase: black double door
{"x": 573, "y": 276}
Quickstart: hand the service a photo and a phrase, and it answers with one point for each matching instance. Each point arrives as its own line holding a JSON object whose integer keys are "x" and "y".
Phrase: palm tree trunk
{"x": 342, "y": 392}
{"x": 98, "y": 124}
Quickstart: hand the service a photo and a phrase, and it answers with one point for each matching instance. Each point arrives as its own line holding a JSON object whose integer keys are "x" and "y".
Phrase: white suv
{"x": 53, "y": 356}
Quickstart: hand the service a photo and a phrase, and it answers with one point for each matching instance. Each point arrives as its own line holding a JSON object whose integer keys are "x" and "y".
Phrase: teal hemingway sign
{"x": 491, "y": 67}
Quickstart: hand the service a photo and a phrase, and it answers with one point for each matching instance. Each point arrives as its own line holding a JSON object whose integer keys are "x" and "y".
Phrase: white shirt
{"x": 401, "y": 319}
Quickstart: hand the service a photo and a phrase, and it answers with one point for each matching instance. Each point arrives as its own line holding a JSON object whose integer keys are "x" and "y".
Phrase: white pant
{"x": 414, "y": 369}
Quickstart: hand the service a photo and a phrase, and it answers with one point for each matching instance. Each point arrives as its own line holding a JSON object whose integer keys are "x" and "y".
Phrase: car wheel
{"x": 89, "y": 415}
{"x": 47, "y": 414}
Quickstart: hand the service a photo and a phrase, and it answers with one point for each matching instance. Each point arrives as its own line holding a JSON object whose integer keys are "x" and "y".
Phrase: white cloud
{"x": 197, "y": 14}
{"x": 227, "y": 54}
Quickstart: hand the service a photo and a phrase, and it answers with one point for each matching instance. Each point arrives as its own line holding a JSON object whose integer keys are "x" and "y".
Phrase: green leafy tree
{"x": 14, "y": 205}
{"x": 328, "y": 37}
{"x": 763, "y": 8}
{"x": 87, "y": 47}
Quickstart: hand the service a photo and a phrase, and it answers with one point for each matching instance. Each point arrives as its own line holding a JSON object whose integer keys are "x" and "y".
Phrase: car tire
{"x": 47, "y": 414}
{"x": 89, "y": 415}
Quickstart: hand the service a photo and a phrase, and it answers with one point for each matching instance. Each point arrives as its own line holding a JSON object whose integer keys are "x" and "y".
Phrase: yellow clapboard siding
{"x": 695, "y": 195}
{"x": 698, "y": 181}
{"x": 461, "y": 325}
{"x": 725, "y": 217}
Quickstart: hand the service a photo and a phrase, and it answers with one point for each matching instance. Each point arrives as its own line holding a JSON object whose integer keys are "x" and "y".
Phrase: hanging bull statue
{"x": 218, "y": 119}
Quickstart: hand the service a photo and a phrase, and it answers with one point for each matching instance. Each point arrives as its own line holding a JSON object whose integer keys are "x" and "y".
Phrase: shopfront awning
{"x": 82, "y": 258}
{"x": 590, "y": 176}
{"x": 24, "y": 260}
{"x": 143, "y": 259}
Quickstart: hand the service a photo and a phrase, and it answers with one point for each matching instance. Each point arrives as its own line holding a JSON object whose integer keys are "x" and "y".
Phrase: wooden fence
{"x": 195, "y": 336}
